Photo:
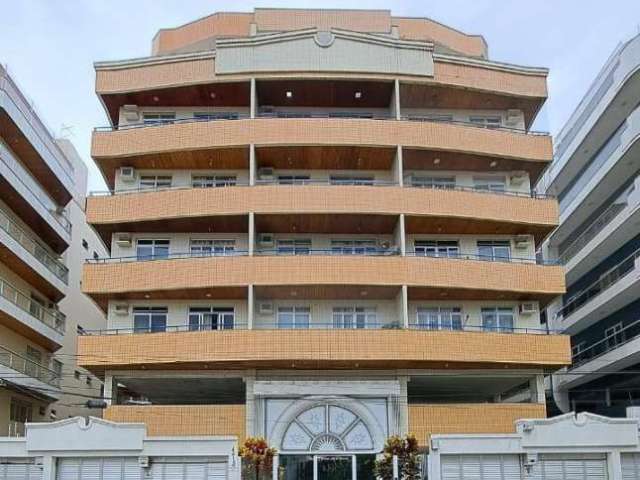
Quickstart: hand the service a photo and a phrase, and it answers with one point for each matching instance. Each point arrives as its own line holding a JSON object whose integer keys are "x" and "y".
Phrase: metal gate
{"x": 19, "y": 469}
{"x": 630, "y": 466}
{"x": 480, "y": 467}
{"x": 573, "y": 467}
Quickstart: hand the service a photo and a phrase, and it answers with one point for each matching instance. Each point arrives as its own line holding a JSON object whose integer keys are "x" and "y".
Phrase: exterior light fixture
{"x": 358, "y": 95}
{"x": 289, "y": 94}
{"x": 436, "y": 161}
{"x": 493, "y": 164}
{"x": 156, "y": 98}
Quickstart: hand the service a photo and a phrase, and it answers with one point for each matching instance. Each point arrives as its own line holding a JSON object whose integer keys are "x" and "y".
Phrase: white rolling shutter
{"x": 19, "y": 470}
{"x": 575, "y": 467}
{"x": 99, "y": 468}
{"x": 480, "y": 467}
{"x": 167, "y": 468}
{"x": 630, "y": 466}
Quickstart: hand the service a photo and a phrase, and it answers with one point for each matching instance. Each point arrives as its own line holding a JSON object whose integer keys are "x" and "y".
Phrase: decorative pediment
{"x": 583, "y": 429}
{"x": 312, "y": 50}
{"x": 78, "y": 434}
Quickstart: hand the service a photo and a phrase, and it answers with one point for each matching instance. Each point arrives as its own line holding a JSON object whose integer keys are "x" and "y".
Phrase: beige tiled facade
{"x": 323, "y": 237}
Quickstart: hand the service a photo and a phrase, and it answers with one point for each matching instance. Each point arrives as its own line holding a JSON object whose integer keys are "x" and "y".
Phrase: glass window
{"x": 439, "y": 318}
{"x": 353, "y": 247}
{"x": 437, "y": 248}
{"x": 211, "y": 181}
{"x": 155, "y": 181}
{"x": 294, "y": 317}
{"x": 444, "y": 183}
{"x": 148, "y": 249}
{"x": 350, "y": 180}
{"x": 497, "y": 319}
{"x": 211, "y": 318}
{"x": 298, "y": 246}
{"x": 490, "y": 184}
{"x": 158, "y": 118}
{"x": 354, "y": 317}
{"x": 206, "y": 116}
{"x": 293, "y": 179}
{"x": 56, "y": 366}
{"x": 212, "y": 247}
{"x": 614, "y": 335}
{"x": 489, "y": 121}
{"x": 149, "y": 319}
{"x": 494, "y": 250}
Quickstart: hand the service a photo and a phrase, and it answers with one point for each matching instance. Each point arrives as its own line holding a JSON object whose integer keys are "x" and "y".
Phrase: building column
{"x": 404, "y": 307}
{"x": 614, "y": 465}
{"x": 250, "y": 306}
{"x": 403, "y": 406}
{"x": 252, "y": 234}
{"x": 396, "y": 98}
{"x": 110, "y": 392}
{"x": 253, "y": 171}
{"x": 48, "y": 468}
{"x": 253, "y": 101}
{"x": 398, "y": 167}
{"x": 400, "y": 239}
{"x": 250, "y": 404}
{"x": 536, "y": 386}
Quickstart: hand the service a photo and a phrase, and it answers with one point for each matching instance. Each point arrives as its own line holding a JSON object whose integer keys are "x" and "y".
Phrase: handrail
{"x": 484, "y": 258}
{"x": 603, "y": 346}
{"x": 382, "y": 183}
{"x": 39, "y": 252}
{"x": 170, "y": 256}
{"x": 329, "y": 325}
{"x": 50, "y": 317}
{"x": 604, "y": 282}
{"x": 338, "y": 251}
{"x": 351, "y": 182}
{"x": 307, "y": 114}
{"x": 28, "y": 367}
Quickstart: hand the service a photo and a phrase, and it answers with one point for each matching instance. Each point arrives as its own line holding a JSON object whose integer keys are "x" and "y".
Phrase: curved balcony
{"x": 172, "y": 144}
{"x": 322, "y": 349}
{"x": 464, "y": 210}
{"x": 190, "y": 275}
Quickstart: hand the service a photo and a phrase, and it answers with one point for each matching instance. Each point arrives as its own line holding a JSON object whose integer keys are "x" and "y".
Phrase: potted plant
{"x": 406, "y": 449}
{"x": 257, "y": 458}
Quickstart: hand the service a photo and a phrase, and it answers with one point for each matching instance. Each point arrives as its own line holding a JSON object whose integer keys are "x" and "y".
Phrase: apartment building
{"x": 322, "y": 230}
{"x": 595, "y": 176}
{"x": 41, "y": 211}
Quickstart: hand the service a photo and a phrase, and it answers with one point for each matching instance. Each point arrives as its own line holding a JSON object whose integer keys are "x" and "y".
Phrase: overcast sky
{"x": 50, "y": 46}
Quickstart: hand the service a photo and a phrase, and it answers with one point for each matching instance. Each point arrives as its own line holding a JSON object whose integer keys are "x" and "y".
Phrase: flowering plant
{"x": 406, "y": 449}
{"x": 257, "y": 458}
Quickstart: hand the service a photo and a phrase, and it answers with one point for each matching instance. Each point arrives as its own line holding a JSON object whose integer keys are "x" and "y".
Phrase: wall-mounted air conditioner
{"x": 127, "y": 174}
{"x": 121, "y": 309}
{"x": 518, "y": 178}
{"x": 131, "y": 113}
{"x": 265, "y": 173}
{"x": 528, "y": 308}
{"x": 266, "y": 240}
{"x": 265, "y": 308}
{"x": 514, "y": 118}
{"x": 123, "y": 240}
{"x": 521, "y": 242}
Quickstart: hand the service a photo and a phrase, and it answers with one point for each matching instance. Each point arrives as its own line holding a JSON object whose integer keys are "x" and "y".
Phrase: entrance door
{"x": 334, "y": 467}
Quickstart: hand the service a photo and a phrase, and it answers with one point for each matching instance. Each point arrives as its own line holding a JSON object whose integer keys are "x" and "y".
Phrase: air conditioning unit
{"x": 265, "y": 308}
{"x": 143, "y": 462}
{"x": 514, "y": 118}
{"x": 528, "y": 308}
{"x": 521, "y": 242}
{"x": 122, "y": 309}
{"x": 265, "y": 173}
{"x": 131, "y": 113}
{"x": 266, "y": 240}
{"x": 127, "y": 174}
{"x": 123, "y": 240}
{"x": 518, "y": 178}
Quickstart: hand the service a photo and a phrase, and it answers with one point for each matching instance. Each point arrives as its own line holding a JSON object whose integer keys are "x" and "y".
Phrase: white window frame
{"x": 439, "y": 318}
{"x": 148, "y": 313}
{"x": 211, "y": 318}
{"x": 436, "y": 182}
{"x": 213, "y": 181}
{"x": 293, "y": 179}
{"x": 300, "y": 317}
{"x": 158, "y": 118}
{"x": 211, "y": 247}
{"x": 490, "y": 183}
{"x": 615, "y": 335}
{"x": 488, "y": 121}
{"x": 495, "y": 246}
{"x": 437, "y": 248}
{"x": 293, "y": 246}
{"x": 152, "y": 182}
{"x": 208, "y": 116}
{"x": 352, "y": 180}
{"x": 155, "y": 244}
{"x": 354, "y": 317}
{"x": 501, "y": 314}
{"x": 356, "y": 246}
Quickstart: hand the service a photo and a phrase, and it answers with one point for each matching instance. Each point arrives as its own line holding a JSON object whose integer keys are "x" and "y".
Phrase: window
{"x": 437, "y": 117}
{"x": 497, "y": 319}
{"x": 293, "y": 179}
{"x": 437, "y": 248}
{"x": 56, "y": 366}
{"x": 158, "y": 118}
{"x": 350, "y": 180}
{"x": 152, "y": 249}
{"x": 353, "y": 247}
{"x": 614, "y": 335}
{"x": 444, "y": 183}
{"x": 20, "y": 412}
{"x": 489, "y": 121}
{"x": 298, "y": 246}
{"x": 206, "y": 116}
{"x": 494, "y": 250}
{"x": 32, "y": 367}
{"x": 149, "y": 319}
{"x": 211, "y": 181}
{"x": 212, "y": 247}
{"x": 36, "y": 306}
{"x": 155, "y": 181}
{"x": 354, "y": 317}
{"x": 439, "y": 318}
{"x": 210, "y": 318}
{"x": 85, "y": 244}
{"x": 578, "y": 348}
{"x": 294, "y": 317}
{"x": 490, "y": 184}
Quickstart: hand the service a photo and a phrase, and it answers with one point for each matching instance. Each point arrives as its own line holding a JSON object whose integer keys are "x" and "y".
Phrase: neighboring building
{"x": 322, "y": 231}
{"x": 40, "y": 213}
{"x": 595, "y": 176}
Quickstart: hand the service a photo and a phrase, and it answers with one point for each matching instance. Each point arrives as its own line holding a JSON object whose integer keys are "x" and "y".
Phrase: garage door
{"x": 480, "y": 467}
{"x": 631, "y": 466}
{"x": 161, "y": 468}
{"x": 575, "y": 467}
{"x": 19, "y": 470}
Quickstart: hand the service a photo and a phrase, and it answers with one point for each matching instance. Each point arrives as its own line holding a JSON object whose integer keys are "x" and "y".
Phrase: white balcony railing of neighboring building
{"x": 50, "y": 317}
{"x": 28, "y": 367}
{"x": 607, "y": 344}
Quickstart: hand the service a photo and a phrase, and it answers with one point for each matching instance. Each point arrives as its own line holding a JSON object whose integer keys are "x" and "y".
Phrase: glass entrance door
{"x": 334, "y": 467}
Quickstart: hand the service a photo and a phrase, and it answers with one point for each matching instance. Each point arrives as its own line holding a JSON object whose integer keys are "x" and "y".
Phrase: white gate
{"x": 19, "y": 469}
{"x": 570, "y": 467}
{"x": 480, "y": 467}
{"x": 630, "y": 466}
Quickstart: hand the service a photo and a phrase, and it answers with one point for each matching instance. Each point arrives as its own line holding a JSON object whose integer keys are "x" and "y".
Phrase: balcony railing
{"x": 169, "y": 256}
{"x": 328, "y": 325}
{"x": 28, "y": 367}
{"x": 50, "y": 317}
{"x": 316, "y": 114}
{"x": 482, "y": 258}
{"x": 53, "y": 264}
{"x": 606, "y": 281}
{"x": 16, "y": 429}
{"x": 607, "y": 344}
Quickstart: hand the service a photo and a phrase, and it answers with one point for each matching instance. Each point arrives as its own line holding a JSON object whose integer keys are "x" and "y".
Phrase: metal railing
{"x": 16, "y": 429}
{"x": 327, "y": 181}
{"x": 606, "y": 281}
{"x": 327, "y": 325}
{"x": 132, "y": 190}
{"x": 337, "y": 251}
{"x": 482, "y": 258}
{"x": 607, "y": 344}
{"x": 169, "y": 256}
{"x": 28, "y": 367}
{"x": 53, "y": 264}
{"x": 50, "y": 317}
{"x": 408, "y": 182}
{"x": 310, "y": 114}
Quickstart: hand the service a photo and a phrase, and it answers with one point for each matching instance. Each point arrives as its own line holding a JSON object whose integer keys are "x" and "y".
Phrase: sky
{"x": 49, "y": 46}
